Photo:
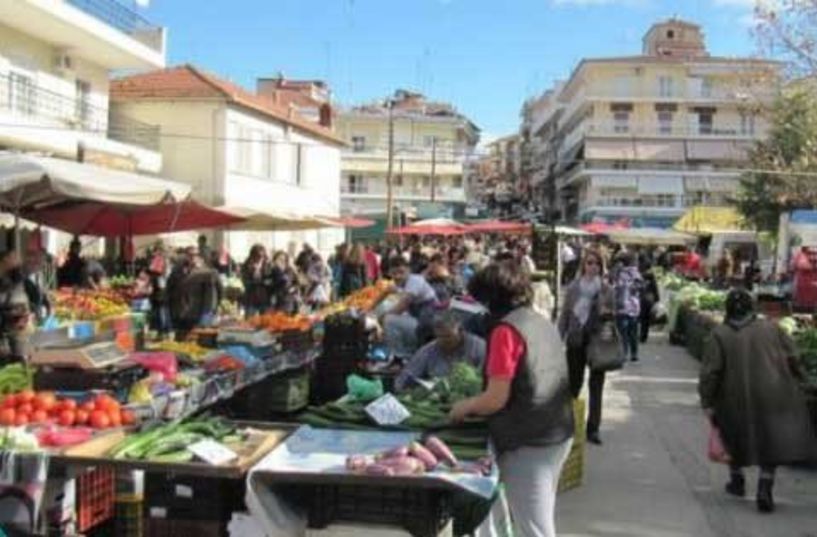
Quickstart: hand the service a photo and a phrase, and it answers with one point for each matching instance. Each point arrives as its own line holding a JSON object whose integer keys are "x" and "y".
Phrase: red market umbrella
{"x": 499, "y": 226}
{"x": 600, "y": 228}
{"x": 352, "y": 222}
{"x": 445, "y": 231}
{"x": 129, "y": 220}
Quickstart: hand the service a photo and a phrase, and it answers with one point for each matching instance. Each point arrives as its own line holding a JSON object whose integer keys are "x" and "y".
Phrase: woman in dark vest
{"x": 527, "y": 397}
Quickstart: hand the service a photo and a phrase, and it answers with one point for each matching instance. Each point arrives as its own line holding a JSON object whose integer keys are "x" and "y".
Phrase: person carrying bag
{"x": 586, "y": 309}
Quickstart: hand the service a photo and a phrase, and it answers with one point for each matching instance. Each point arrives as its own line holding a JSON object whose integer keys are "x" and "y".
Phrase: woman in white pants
{"x": 527, "y": 399}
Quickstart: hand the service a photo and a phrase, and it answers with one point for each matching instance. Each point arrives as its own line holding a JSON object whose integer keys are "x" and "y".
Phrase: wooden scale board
{"x": 94, "y": 356}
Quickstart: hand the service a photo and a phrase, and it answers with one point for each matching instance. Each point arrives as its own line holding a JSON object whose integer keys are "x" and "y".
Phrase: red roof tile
{"x": 189, "y": 82}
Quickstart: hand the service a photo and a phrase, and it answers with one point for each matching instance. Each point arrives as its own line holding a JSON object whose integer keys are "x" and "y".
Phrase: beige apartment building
{"x": 643, "y": 138}
{"x": 431, "y": 146}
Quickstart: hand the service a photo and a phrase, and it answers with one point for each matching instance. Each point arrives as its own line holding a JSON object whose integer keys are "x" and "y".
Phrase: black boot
{"x": 765, "y": 501}
{"x": 736, "y": 485}
{"x": 594, "y": 438}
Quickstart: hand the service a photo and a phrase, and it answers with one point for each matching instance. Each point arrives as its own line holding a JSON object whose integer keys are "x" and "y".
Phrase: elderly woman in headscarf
{"x": 749, "y": 389}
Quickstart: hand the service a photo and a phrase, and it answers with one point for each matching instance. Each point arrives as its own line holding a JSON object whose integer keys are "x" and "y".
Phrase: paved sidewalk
{"x": 651, "y": 478}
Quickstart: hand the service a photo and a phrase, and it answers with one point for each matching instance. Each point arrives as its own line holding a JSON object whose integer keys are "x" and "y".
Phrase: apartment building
{"x": 55, "y": 60}
{"x": 643, "y": 138}
{"x": 240, "y": 149}
{"x": 499, "y": 182}
{"x": 431, "y": 145}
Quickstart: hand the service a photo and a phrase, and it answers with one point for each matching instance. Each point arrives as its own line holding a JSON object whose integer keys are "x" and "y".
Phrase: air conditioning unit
{"x": 63, "y": 62}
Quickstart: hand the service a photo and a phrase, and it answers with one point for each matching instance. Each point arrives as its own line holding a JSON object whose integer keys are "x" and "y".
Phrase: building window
{"x": 356, "y": 184}
{"x": 242, "y": 148}
{"x": 619, "y": 164}
{"x": 456, "y": 181}
{"x": 705, "y": 121}
{"x": 665, "y": 86}
{"x": 257, "y": 157}
{"x": 358, "y": 144}
{"x": 664, "y": 122}
{"x": 22, "y": 98}
{"x": 267, "y": 157}
{"x": 747, "y": 124}
{"x": 425, "y": 181}
{"x": 670, "y": 34}
{"x": 621, "y": 121}
{"x": 83, "y": 103}
{"x": 428, "y": 141}
{"x": 397, "y": 180}
{"x": 706, "y": 87}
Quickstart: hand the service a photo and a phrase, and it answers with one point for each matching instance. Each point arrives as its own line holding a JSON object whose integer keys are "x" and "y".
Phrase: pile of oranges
{"x": 367, "y": 298}
{"x": 281, "y": 322}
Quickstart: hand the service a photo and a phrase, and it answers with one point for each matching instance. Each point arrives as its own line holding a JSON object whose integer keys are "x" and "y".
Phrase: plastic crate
{"x": 279, "y": 394}
{"x": 162, "y": 527}
{"x": 128, "y": 521}
{"x": 573, "y": 470}
{"x": 178, "y": 497}
{"x": 422, "y": 512}
{"x": 96, "y": 492}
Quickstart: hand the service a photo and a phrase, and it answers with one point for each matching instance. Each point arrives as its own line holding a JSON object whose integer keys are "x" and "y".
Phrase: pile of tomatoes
{"x": 29, "y": 407}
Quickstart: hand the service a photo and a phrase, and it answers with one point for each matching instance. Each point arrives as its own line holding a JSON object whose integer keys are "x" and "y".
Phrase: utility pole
{"x": 433, "y": 168}
{"x": 390, "y": 169}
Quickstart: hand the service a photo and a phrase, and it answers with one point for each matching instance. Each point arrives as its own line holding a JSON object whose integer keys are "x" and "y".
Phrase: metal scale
{"x": 80, "y": 356}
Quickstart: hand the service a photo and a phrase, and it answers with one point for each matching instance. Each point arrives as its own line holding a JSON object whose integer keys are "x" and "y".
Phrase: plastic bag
{"x": 715, "y": 448}
{"x": 160, "y": 362}
{"x": 363, "y": 389}
{"x": 51, "y": 323}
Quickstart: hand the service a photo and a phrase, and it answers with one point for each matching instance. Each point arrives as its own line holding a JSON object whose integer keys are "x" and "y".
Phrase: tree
{"x": 782, "y": 174}
{"x": 787, "y": 29}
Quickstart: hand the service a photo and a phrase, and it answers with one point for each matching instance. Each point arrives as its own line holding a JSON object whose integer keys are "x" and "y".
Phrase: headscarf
{"x": 740, "y": 308}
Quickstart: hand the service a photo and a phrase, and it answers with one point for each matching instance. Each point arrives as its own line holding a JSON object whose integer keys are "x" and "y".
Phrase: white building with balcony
{"x": 643, "y": 138}
{"x": 55, "y": 60}
{"x": 431, "y": 146}
{"x": 240, "y": 149}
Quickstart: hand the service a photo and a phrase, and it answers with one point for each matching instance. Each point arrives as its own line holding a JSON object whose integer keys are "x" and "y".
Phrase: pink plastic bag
{"x": 160, "y": 362}
{"x": 715, "y": 449}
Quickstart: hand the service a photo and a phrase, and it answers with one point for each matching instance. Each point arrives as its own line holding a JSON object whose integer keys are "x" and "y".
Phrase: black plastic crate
{"x": 344, "y": 328}
{"x": 178, "y": 497}
{"x": 420, "y": 511}
{"x": 278, "y": 394}
{"x": 116, "y": 379}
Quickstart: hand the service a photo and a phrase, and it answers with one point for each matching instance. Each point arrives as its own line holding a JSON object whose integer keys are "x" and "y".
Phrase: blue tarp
{"x": 803, "y": 217}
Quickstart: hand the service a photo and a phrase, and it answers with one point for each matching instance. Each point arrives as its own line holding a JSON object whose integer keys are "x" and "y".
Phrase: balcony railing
{"x": 444, "y": 153}
{"x": 123, "y": 18}
{"x": 20, "y": 97}
{"x": 424, "y": 192}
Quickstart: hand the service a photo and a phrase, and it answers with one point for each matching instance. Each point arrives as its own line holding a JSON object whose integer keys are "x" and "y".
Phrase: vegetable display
{"x": 169, "y": 442}
{"x": 806, "y": 340}
{"x": 14, "y": 378}
{"x": 416, "y": 459}
{"x": 29, "y": 407}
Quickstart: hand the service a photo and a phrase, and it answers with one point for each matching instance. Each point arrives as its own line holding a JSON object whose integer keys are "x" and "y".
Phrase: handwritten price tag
{"x": 387, "y": 410}
{"x": 212, "y": 452}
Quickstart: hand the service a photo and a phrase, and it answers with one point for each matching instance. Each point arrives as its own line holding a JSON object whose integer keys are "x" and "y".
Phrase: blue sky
{"x": 484, "y": 56}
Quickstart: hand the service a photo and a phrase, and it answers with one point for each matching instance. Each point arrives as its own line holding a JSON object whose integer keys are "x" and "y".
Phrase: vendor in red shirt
{"x": 527, "y": 399}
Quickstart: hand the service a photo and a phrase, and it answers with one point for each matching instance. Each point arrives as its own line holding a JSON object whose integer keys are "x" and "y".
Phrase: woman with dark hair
{"x": 285, "y": 293}
{"x": 527, "y": 397}
{"x": 353, "y": 274}
{"x": 586, "y": 302}
{"x": 439, "y": 277}
{"x": 255, "y": 274}
{"x": 749, "y": 389}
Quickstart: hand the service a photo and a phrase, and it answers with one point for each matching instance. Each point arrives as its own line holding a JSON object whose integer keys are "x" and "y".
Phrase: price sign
{"x": 387, "y": 410}
{"x": 212, "y": 452}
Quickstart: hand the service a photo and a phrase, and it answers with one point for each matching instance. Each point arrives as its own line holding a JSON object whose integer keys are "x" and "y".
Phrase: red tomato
{"x": 128, "y": 418}
{"x": 67, "y": 418}
{"x": 26, "y": 396}
{"x": 88, "y": 406}
{"x": 25, "y": 408}
{"x": 45, "y": 401}
{"x": 82, "y": 416}
{"x": 39, "y": 416}
{"x": 116, "y": 418}
{"x": 10, "y": 401}
{"x": 21, "y": 419}
{"x": 100, "y": 420}
{"x": 69, "y": 404}
{"x": 106, "y": 402}
{"x": 7, "y": 416}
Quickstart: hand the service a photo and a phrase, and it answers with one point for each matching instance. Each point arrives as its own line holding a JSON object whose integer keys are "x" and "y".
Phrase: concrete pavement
{"x": 651, "y": 478}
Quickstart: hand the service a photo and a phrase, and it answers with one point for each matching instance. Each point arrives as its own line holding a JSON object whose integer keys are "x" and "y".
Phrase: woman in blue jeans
{"x": 627, "y": 285}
